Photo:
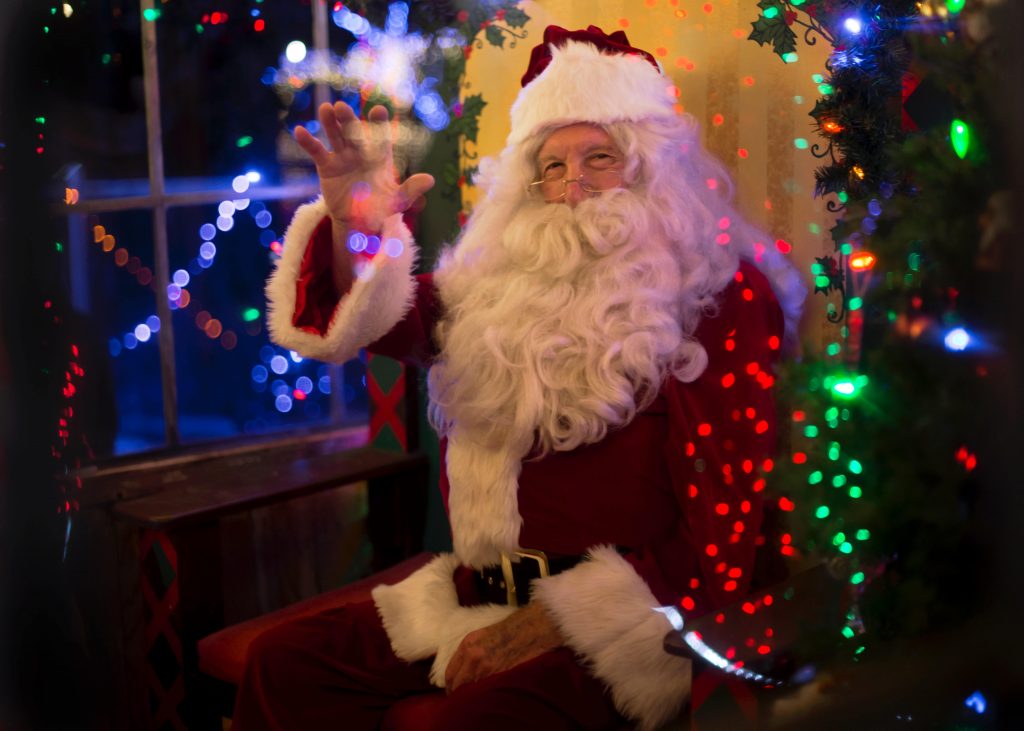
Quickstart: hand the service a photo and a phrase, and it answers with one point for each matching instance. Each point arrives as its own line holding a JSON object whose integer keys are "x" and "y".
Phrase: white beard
{"x": 563, "y": 326}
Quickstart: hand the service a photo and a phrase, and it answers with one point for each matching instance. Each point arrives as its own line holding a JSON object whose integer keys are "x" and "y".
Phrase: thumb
{"x": 414, "y": 187}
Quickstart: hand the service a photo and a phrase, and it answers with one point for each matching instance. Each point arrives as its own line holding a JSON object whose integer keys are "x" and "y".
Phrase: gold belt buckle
{"x": 506, "y": 570}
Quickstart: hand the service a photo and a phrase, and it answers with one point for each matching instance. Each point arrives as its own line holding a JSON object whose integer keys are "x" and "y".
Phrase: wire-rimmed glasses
{"x": 595, "y": 181}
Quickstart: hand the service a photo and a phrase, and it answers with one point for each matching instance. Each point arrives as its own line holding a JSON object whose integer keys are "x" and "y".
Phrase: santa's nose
{"x": 574, "y": 193}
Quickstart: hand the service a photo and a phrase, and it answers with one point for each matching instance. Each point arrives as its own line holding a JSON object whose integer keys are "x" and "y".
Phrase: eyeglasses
{"x": 594, "y": 181}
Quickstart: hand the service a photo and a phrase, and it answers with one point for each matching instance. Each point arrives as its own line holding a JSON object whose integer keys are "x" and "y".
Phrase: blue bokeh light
{"x": 279, "y": 364}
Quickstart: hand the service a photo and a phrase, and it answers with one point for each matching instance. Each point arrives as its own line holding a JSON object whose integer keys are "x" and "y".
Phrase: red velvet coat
{"x": 681, "y": 486}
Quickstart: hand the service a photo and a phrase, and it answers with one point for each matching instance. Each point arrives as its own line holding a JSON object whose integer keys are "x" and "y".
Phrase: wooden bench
{"x": 185, "y": 520}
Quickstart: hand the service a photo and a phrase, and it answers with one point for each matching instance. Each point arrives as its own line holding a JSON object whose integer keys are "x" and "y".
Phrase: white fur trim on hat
{"x": 380, "y": 297}
{"x": 583, "y": 84}
{"x": 608, "y": 615}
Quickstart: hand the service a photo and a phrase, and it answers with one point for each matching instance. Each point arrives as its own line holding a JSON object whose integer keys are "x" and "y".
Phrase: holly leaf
{"x": 830, "y": 270}
{"x": 515, "y": 18}
{"x": 468, "y": 124}
{"x": 784, "y": 41}
{"x": 773, "y": 30}
{"x": 494, "y": 36}
{"x": 472, "y": 105}
{"x": 763, "y": 30}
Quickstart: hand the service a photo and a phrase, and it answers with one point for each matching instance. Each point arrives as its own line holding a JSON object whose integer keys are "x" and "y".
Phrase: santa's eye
{"x": 601, "y": 161}
{"x": 553, "y": 171}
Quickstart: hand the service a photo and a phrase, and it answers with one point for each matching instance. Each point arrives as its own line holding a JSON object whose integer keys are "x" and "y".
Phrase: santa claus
{"x": 600, "y": 341}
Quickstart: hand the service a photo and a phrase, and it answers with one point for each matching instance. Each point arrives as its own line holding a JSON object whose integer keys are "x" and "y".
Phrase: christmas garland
{"x": 883, "y": 458}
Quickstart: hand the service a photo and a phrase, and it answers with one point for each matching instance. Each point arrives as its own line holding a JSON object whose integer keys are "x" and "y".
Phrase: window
{"x": 181, "y": 178}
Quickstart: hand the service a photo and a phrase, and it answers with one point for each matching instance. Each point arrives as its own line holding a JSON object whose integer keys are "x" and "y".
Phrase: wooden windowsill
{"x": 135, "y": 478}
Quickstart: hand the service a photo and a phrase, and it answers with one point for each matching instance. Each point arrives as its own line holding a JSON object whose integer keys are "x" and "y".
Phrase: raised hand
{"x": 357, "y": 176}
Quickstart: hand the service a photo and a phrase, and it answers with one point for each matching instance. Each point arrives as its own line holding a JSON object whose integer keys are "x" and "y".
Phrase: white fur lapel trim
{"x": 378, "y": 300}
{"x": 607, "y": 614}
{"x": 422, "y": 616}
{"x": 483, "y": 501}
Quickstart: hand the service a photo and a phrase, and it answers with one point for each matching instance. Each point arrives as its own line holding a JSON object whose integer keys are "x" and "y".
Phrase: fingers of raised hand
{"x": 313, "y": 147}
{"x": 410, "y": 193}
{"x": 339, "y": 123}
{"x": 379, "y": 113}
{"x": 378, "y": 133}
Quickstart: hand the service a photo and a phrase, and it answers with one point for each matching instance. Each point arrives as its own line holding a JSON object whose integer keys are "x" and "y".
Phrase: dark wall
{"x": 43, "y": 672}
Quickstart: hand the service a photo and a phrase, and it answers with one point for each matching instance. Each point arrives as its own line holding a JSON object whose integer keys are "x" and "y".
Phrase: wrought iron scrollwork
{"x": 819, "y": 152}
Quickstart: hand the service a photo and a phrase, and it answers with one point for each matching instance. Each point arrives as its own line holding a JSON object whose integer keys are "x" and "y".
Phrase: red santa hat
{"x": 588, "y": 76}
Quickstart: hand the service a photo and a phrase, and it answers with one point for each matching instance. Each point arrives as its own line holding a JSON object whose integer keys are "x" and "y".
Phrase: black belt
{"x": 509, "y": 583}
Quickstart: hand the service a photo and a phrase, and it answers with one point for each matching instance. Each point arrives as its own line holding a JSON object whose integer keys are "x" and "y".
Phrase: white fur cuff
{"x": 422, "y": 616}
{"x": 380, "y": 296}
{"x": 607, "y": 614}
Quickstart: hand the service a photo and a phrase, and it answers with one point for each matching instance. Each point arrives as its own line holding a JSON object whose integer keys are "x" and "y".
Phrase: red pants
{"x": 336, "y": 670}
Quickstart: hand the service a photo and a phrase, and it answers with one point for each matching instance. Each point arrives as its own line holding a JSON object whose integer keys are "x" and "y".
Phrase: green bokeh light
{"x": 960, "y": 137}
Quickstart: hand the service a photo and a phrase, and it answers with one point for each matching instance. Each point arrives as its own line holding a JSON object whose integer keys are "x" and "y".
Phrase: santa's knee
{"x": 472, "y": 709}
{"x": 275, "y": 659}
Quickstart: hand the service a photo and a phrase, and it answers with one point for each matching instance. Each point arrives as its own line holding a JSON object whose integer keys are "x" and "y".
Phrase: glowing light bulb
{"x": 853, "y": 25}
{"x": 960, "y": 137}
{"x": 975, "y": 701}
{"x": 295, "y": 51}
{"x": 955, "y": 6}
{"x": 862, "y": 261}
{"x": 957, "y": 339}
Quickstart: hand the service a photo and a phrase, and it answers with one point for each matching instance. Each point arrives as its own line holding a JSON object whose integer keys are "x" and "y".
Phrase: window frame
{"x": 158, "y": 201}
